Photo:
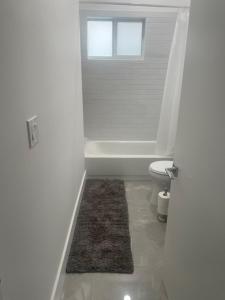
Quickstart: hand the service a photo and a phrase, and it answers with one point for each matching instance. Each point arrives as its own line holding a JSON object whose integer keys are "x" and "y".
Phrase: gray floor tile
{"x": 147, "y": 236}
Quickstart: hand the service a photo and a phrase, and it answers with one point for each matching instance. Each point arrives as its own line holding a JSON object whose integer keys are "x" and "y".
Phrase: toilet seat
{"x": 159, "y": 167}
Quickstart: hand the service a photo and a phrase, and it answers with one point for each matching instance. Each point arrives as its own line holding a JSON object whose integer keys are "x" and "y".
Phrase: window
{"x": 115, "y": 38}
{"x": 100, "y": 38}
{"x": 129, "y": 38}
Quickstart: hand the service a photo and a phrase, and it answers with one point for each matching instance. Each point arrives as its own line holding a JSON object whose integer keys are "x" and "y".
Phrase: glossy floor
{"x": 147, "y": 236}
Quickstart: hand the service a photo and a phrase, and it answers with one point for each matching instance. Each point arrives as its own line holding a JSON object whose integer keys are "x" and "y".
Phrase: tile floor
{"x": 147, "y": 236}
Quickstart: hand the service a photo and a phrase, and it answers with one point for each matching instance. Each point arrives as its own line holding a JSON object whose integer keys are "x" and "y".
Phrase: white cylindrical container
{"x": 163, "y": 204}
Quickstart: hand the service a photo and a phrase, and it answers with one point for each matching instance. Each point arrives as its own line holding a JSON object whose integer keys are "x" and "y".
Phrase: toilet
{"x": 160, "y": 179}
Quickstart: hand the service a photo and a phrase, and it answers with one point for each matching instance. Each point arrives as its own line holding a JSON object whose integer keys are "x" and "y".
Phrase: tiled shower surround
{"x": 122, "y": 98}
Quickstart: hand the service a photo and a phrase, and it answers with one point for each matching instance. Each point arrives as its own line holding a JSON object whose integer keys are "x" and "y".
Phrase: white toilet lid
{"x": 160, "y": 166}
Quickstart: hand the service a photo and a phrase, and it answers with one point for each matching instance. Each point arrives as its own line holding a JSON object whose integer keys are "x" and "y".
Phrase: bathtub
{"x": 120, "y": 158}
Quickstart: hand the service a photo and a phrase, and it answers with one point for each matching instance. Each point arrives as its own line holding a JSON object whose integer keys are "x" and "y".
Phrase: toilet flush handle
{"x": 172, "y": 172}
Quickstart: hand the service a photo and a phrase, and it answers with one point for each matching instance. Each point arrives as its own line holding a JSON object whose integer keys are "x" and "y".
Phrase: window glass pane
{"x": 99, "y": 38}
{"x": 129, "y": 38}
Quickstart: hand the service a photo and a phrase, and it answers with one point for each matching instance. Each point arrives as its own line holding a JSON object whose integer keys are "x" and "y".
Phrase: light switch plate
{"x": 32, "y": 131}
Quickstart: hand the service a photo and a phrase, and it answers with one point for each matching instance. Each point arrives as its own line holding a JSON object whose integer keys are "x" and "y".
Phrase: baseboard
{"x": 60, "y": 276}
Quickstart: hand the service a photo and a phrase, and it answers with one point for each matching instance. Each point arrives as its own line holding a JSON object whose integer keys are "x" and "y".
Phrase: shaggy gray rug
{"x": 101, "y": 241}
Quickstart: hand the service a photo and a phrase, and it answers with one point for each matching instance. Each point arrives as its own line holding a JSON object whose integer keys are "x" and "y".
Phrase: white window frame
{"x": 115, "y": 21}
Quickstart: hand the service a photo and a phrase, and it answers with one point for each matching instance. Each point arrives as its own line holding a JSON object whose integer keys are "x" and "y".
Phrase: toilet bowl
{"x": 160, "y": 179}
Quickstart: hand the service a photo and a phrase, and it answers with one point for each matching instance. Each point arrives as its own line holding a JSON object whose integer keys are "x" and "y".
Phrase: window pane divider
{"x": 114, "y": 40}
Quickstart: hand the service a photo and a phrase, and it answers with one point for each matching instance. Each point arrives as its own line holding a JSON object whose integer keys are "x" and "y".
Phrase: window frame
{"x": 115, "y": 21}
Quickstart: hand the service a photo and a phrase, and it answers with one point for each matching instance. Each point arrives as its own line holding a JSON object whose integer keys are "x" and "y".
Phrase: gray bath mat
{"x": 101, "y": 241}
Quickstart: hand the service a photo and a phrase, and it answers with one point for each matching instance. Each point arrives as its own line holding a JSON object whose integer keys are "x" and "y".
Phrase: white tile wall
{"x": 122, "y": 99}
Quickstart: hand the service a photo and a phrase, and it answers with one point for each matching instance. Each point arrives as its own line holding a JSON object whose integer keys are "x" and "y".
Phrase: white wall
{"x": 167, "y": 3}
{"x": 195, "y": 242}
{"x": 40, "y": 74}
{"x": 122, "y": 99}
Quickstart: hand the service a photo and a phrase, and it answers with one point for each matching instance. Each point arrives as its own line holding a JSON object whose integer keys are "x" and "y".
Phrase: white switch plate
{"x": 33, "y": 132}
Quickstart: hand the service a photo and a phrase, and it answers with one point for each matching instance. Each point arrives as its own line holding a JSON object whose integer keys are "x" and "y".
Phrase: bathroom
{"x": 132, "y": 60}
{"x": 111, "y": 150}
{"x": 130, "y": 111}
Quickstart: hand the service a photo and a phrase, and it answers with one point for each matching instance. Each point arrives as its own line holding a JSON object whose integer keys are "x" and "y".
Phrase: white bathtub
{"x": 120, "y": 158}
